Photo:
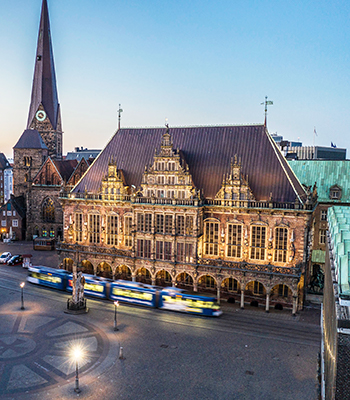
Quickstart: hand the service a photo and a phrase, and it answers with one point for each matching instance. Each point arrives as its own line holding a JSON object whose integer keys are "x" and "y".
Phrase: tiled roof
{"x": 3, "y": 162}
{"x": 30, "y": 139}
{"x": 326, "y": 174}
{"x": 339, "y": 229}
{"x": 208, "y": 150}
{"x": 65, "y": 167}
{"x": 44, "y": 90}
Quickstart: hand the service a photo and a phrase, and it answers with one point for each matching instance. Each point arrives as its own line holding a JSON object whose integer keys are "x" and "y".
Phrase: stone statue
{"x": 78, "y": 287}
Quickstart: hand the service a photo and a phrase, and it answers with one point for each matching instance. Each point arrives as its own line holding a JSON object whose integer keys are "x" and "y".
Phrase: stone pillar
{"x": 295, "y": 305}
{"x": 153, "y": 281}
{"x": 267, "y": 308}
{"x": 218, "y": 293}
{"x": 242, "y": 299}
{"x": 173, "y": 282}
{"x": 133, "y": 277}
{"x": 195, "y": 286}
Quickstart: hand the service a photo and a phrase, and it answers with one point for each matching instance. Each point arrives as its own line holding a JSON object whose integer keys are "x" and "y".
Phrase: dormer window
{"x": 335, "y": 192}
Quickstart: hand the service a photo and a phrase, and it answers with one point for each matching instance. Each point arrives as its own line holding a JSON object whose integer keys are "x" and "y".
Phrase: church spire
{"x": 44, "y": 90}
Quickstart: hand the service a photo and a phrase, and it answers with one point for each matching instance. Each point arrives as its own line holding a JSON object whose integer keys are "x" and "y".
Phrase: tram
{"x": 168, "y": 298}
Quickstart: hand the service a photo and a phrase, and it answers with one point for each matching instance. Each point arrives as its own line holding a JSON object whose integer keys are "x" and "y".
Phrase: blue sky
{"x": 193, "y": 62}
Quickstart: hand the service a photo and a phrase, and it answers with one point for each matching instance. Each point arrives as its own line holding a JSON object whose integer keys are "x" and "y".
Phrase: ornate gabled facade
{"x": 168, "y": 174}
{"x": 190, "y": 214}
{"x": 234, "y": 185}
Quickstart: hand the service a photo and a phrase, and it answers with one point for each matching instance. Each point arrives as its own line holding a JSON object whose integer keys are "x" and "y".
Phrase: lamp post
{"x": 76, "y": 356}
{"x": 116, "y": 304}
{"x": 22, "y": 303}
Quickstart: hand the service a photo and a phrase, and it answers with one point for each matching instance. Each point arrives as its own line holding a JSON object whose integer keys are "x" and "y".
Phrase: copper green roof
{"x": 325, "y": 173}
{"x": 339, "y": 230}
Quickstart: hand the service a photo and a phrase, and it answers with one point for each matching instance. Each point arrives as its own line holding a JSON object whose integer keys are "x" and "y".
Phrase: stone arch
{"x": 255, "y": 289}
{"x": 122, "y": 272}
{"x": 143, "y": 275}
{"x": 281, "y": 293}
{"x": 207, "y": 282}
{"x": 184, "y": 280}
{"x": 67, "y": 264}
{"x": 87, "y": 267}
{"x": 105, "y": 270}
{"x": 230, "y": 285}
{"x": 163, "y": 278}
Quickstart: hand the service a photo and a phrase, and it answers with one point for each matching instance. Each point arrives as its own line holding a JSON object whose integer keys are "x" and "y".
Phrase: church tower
{"x": 44, "y": 111}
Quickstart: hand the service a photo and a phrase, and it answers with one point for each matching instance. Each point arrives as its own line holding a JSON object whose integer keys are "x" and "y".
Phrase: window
{"x": 167, "y": 251}
{"x": 184, "y": 252}
{"x": 234, "y": 241}
{"x": 169, "y": 224}
{"x": 79, "y": 227}
{"x": 140, "y": 222}
{"x": 9, "y": 213}
{"x": 281, "y": 244}
{"x": 128, "y": 231}
{"x": 94, "y": 228}
{"x": 14, "y": 213}
{"x": 323, "y": 236}
{"x": 180, "y": 224}
{"x": 3, "y": 222}
{"x": 211, "y": 238}
{"x": 143, "y": 248}
{"x": 160, "y": 193}
{"x": 323, "y": 215}
{"x": 171, "y": 180}
{"x": 148, "y": 222}
{"x": 282, "y": 290}
{"x": 160, "y": 180}
{"x": 181, "y": 194}
{"x": 258, "y": 288}
{"x": 112, "y": 230}
{"x": 171, "y": 166}
{"x": 335, "y": 193}
{"x": 4, "y": 213}
{"x": 257, "y": 250}
{"x": 48, "y": 211}
{"x": 159, "y": 228}
{"x": 159, "y": 250}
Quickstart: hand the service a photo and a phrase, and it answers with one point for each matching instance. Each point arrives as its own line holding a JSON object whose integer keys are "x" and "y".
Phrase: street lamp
{"x": 22, "y": 303}
{"x": 116, "y": 304}
{"x": 76, "y": 355}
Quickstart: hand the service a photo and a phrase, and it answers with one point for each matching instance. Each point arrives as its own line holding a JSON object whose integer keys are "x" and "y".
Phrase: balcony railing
{"x": 188, "y": 202}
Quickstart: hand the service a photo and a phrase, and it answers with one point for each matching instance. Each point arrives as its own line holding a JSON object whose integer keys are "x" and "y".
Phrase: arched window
{"x": 48, "y": 210}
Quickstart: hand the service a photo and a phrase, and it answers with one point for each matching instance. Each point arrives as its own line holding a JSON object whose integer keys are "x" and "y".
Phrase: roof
{"x": 65, "y": 167}
{"x": 208, "y": 150}
{"x": 18, "y": 203}
{"x": 30, "y": 139}
{"x": 326, "y": 173}
{"x": 86, "y": 153}
{"x": 339, "y": 228}
{"x": 4, "y": 162}
{"x": 44, "y": 90}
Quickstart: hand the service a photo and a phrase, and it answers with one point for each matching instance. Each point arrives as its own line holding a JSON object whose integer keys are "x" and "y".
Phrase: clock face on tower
{"x": 40, "y": 115}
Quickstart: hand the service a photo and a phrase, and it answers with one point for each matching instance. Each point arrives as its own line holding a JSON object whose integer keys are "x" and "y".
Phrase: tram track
{"x": 230, "y": 322}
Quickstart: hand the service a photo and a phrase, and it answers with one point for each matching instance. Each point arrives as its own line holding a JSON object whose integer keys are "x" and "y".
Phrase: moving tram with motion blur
{"x": 167, "y": 298}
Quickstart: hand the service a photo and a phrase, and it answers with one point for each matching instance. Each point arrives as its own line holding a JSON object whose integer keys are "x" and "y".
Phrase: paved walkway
{"x": 35, "y": 353}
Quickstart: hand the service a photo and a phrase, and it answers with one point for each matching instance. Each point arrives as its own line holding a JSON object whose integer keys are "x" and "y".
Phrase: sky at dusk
{"x": 195, "y": 62}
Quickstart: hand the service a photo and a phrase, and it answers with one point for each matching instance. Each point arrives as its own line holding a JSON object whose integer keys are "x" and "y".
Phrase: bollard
{"x": 121, "y": 356}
